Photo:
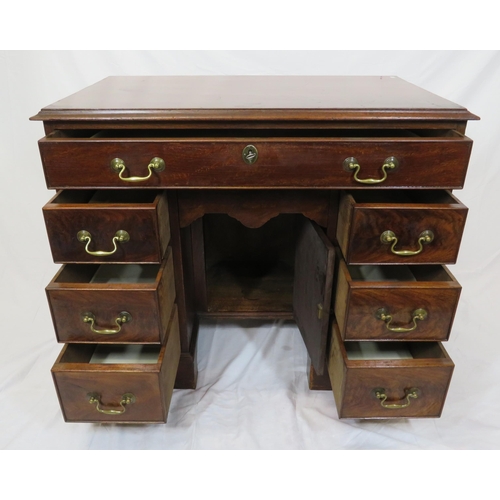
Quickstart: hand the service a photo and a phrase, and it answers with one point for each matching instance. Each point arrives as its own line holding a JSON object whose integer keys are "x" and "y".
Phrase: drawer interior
{"x": 92, "y": 354}
{"x": 265, "y": 133}
{"x": 402, "y": 273}
{"x": 424, "y": 196}
{"x": 125, "y": 354}
{"x": 108, "y": 273}
{"x": 393, "y": 350}
{"x": 104, "y": 196}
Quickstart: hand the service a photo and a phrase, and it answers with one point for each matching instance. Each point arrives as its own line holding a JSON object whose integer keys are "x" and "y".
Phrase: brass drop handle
{"x": 425, "y": 237}
{"x": 120, "y": 236}
{"x": 380, "y": 393}
{"x": 351, "y": 164}
{"x": 118, "y": 165}
{"x": 127, "y": 398}
{"x": 417, "y": 314}
{"x": 123, "y": 317}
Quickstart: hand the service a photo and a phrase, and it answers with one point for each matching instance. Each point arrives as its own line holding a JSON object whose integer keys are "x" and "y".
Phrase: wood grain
{"x": 231, "y": 98}
{"x": 358, "y": 302}
{"x": 181, "y": 276}
{"x": 354, "y": 381}
{"x": 70, "y": 294}
{"x": 253, "y": 208}
{"x": 359, "y": 233}
{"x": 152, "y": 385}
{"x": 432, "y": 162}
{"x": 231, "y": 226}
{"x": 64, "y": 218}
{"x": 312, "y": 287}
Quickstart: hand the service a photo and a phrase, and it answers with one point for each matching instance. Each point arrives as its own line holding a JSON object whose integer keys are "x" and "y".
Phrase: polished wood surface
{"x": 182, "y": 252}
{"x": 354, "y": 381}
{"x": 151, "y": 384}
{"x": 312, "y": 290}
{"x": 255, "y": 240}
{"x": 285, "y": 162}
{"x": 71, "y": 294}
{"x": 365, "y": 216}
{"x": 72, "y": 211}
{"x": 436, "y": 291}
{"x": 253, "y": 208}
{"x": 253, "y": 98}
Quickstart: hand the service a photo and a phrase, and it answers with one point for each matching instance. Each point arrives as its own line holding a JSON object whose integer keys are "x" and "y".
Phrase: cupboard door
{"x": 312, "y": 290}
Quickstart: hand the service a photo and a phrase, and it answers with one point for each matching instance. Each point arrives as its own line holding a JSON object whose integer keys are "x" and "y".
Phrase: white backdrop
{"x": 252, "y": 390}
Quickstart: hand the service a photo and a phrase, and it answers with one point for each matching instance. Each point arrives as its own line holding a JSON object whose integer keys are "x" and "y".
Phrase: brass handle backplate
{"x": 380, "y": 393}
{"x": 417, "y": 314}
{"x": 352, "y": 164}
{"x": 118, "y": 165}
{"x": 388, "y": 237}
{"x": 127, "y": 398}
{"x": 123, "y": 317}
{"x": 120, "y": 236}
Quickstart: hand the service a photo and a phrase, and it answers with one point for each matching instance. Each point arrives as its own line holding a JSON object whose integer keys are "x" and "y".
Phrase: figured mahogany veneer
{"x": 434, "y": 289}
{"x": 289, "y": 162}
{"x": 354, "y": 381}
{"x": 290, "y": 231}
{"x": 143, "y": 215}
{"x": 364, "y": 216}
{"x": 72, "y": 293}
{"x": 151, "y": 384}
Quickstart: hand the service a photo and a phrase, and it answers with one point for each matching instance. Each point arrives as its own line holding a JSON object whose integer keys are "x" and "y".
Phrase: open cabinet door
{"x": 312, "y": 290}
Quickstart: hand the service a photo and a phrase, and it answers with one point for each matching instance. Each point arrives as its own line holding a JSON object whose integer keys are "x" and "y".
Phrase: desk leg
{"x": 187, "y": 373}
{"x": 182, "y": 248}
{"x": 318, "y": 382}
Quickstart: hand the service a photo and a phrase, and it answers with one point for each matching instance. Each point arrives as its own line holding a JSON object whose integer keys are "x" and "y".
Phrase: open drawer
{"x": 118, "y": 384}
{"x": 114, "y": 303}
{"x": 395, "y": 302}
{"x": 346, "y": 159}
{"x": 388, "y": 379}
{"x": 403, "y": 227}
{"x": 107, "y": 226}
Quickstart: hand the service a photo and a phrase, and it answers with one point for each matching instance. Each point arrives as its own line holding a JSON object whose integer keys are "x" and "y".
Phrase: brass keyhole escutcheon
{"x": 250, "y": 154}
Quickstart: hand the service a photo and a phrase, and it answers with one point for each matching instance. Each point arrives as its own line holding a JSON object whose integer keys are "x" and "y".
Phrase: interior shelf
{"x": 250, "y": 272}
{"x": 250, "y": 287}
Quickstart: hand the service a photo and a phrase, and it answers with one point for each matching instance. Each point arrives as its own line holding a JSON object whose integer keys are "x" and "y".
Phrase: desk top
{"x": 196, "y": 98}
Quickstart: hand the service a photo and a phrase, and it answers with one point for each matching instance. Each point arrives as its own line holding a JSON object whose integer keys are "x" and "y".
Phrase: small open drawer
{"x": 114, "y": 303}
{"x": 395, "y": 302}
{"x": 388, "y": 379}
{"x": 108, "y": 226}
{"x": 118, "y": 384}
{"x": 400, "y": 227}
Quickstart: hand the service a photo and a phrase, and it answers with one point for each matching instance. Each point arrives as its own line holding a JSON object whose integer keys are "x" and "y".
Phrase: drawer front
{"x": 103, "y": 233}
{"x": 75, "y": 390}
{"x": 392, "y": 233}
{"x": 387, "y": 388}
{"x": 120, "y": 393}
{"x": 409, "y": 311}
{"x": 293, "y": 162}
{"x": 94, "y": 313}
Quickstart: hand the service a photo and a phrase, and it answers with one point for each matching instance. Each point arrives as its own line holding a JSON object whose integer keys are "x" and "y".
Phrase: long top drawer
{"x": 330, "y": 159}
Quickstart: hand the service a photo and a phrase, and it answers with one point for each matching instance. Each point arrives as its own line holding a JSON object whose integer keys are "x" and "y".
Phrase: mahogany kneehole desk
{"x": 329, "y": 202}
